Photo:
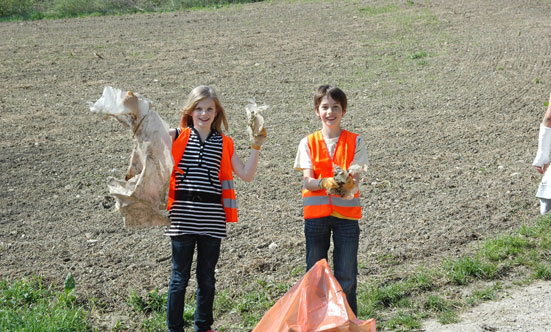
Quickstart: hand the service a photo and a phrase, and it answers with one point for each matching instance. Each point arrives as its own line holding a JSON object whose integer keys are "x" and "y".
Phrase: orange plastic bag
{"x": 315, "y": 303}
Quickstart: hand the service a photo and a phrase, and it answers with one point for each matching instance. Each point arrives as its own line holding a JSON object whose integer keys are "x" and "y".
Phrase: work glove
{"x": 259, "y": 138}
{"x": 349, "y": 184}
{"x": 328, "y": 183}
{"x": 255, "y": 124}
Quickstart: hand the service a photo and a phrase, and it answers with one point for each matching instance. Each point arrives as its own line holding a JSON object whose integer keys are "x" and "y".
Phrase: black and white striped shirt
{"x": 197, "y": 207}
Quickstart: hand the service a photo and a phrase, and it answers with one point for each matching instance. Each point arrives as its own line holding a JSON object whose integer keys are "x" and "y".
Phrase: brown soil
{"x": 451, "y": 133}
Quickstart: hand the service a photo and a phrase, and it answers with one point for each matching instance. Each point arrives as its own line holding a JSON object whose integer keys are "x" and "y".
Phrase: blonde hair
{"x": 195, "y": 96}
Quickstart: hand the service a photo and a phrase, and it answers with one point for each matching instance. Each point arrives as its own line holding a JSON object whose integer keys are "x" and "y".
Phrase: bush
{"x": 16, "y": 8}
{"x": 38, "y": 9}
{"x": 71, "y": 8}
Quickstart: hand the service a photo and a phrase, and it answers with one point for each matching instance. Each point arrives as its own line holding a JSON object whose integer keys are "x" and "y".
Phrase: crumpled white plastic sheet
{"x": 141, "y": 196}
{"x": 254, "y": 117}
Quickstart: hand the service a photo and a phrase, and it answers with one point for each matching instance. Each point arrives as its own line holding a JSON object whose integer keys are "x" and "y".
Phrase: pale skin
{"x": 203, "y": 117}
{"x": 330, "y": 113}
{"x": 546, "y": 121}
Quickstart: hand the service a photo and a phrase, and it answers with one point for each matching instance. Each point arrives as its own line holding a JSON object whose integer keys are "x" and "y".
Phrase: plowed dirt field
{"x": 448, "y": 96}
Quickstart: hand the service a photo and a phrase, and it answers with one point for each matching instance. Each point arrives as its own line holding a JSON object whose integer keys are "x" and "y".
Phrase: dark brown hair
{"x": 332, "y": 91}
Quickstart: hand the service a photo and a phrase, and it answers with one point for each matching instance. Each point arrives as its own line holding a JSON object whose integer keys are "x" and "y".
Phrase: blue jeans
{"x": 346, "y": 237}
{"x": 208, "y": 251}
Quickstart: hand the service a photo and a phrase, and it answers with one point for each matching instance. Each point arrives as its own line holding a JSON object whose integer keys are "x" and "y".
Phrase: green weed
{"x": 463, "y": 270}
{"x": 485, "y": 294}
{"x": 378, "y": 10}
{"x": 368, "y": 306}
{"x": 154, "y": 323}
{"x": 418, "y": 55}
{"x": 443, "y": 308}
{"x": 404, "y": 321}
{"x": 436, "y": 303}
{"x": 505, "y": 246}
{"x": 119, "y": 326}
{"x": 257, "y": 299}
{"x": 398, "y": 304}
{"x": 28, "y": 305}
{"x": 448, "y": 317}
{"x": 391, "y": 294}
{"x": 152, "y": 302}
{"x": 296, "y": 271}
{"x": 543, "y": 272}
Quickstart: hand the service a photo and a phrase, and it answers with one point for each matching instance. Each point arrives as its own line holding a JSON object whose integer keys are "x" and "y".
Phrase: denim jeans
{"x": 346, "y": 236}
{"x": 208, "y": 251}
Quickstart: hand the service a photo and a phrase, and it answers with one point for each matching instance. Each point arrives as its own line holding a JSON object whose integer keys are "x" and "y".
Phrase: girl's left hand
{"x": 540, "y": 169}
{"x": 260, "y": 137}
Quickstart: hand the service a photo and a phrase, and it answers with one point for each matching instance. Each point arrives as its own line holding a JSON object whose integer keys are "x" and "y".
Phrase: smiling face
{"x": 203, "y": 115}
{"x": 330, "y": 112}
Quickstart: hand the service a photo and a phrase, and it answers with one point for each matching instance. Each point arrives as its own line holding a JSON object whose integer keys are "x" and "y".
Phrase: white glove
{"x": 544, "y": 146}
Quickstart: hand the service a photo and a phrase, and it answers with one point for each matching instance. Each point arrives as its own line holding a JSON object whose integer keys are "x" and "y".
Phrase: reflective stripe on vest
{"x": 225, "y": 174}
{"x": 227, "y": 184}
{"x": 317, "y": 203}
{"x": 335, "y": 200}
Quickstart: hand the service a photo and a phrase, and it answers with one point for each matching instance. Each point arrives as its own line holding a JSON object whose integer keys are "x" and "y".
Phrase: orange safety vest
{"x": 318, "y": 203}
{"x": 225, "y": 175}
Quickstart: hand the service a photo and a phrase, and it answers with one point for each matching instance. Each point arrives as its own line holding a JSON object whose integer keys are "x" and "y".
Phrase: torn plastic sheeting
{"x": 141, "y": 195}
{"x": 315, "y": 303}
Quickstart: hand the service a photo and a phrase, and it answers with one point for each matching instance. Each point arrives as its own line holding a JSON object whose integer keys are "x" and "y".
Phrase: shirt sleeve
{"x": 360, "y": 155}
{"x": 303, "y": 159}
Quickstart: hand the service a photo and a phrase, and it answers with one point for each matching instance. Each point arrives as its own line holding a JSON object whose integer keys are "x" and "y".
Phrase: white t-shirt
{"x": 303, "y": 159}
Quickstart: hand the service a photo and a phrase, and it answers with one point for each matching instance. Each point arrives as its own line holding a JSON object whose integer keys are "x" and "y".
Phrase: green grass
{"x": 249, "y": 305}
{"x": 255, "y": 299}
{"x": 399, "y": 302}
{"x": 39, "y": 9}
{"x": 467, "y": 269}
{"x": 372, "y": 11}
{"x": 153, "y": 301}
{"x": 29, "y": 305}
{"x": 506, "y": 246}
{"x": 542, "y": 271}
{"x": 403, "y": 321}
{"x": 436, "y": 303}
{"x": 495, "y": 257}
{"x": 150, "y": 309}
{"x": 418, "y": 55}
{"x": 485, "y": 294}
{"x": 447, "y": 317}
